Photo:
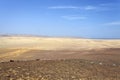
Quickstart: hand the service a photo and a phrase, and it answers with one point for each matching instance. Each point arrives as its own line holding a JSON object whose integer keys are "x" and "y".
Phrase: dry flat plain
{"x": 50, "y": 58}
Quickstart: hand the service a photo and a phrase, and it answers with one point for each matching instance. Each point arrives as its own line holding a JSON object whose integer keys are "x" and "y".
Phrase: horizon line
{"x": 37, "y": 35}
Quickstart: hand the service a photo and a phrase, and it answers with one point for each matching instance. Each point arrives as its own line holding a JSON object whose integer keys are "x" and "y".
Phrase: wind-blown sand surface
{"x": 27, "y": 48}
{"x": 47, "y": 43}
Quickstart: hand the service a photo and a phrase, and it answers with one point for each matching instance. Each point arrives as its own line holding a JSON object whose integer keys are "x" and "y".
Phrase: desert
{"x": 57, "y": 58}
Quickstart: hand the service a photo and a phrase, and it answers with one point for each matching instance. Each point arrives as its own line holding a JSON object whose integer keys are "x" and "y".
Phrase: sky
{"x": 67, "y": 18}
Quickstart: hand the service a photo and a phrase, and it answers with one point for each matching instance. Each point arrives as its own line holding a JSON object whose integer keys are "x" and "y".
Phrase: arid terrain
{"x": 51, "y": 58}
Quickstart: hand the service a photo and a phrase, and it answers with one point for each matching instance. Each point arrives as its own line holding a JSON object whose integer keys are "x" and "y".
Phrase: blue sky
{"x": 75, "y": 18}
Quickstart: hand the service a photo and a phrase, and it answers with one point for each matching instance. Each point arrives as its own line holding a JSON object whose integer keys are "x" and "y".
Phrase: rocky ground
{"x": 71, "y": 69}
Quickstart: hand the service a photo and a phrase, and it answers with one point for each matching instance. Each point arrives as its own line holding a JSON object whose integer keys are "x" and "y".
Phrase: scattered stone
{"x": 19, "y": 67}
{"x": 100, "y": 63}
{"x": 114, "y": 64}
{"x": 8, "y": 76}
{"x": 72, "y": 76}
{"x": 11, "y": 79}
{"x": 92, "y": 62}
{"x": 11, "y": 60}
{"x": 10, "y": 69}
{"x": 37, "y": 59}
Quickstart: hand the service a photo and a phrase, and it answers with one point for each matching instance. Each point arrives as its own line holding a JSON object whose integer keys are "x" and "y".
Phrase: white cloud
{"x": 115, "y": 23}
{"x": 64, "y": 7}
{"x": 74, "y": 17}
{"x": 99, "y": 7}
{"x": 90, "y": 8}
{"x": 74, "y": 7}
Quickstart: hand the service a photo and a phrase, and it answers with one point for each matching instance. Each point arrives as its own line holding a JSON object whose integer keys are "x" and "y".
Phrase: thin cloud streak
{"x": 99, "y": 7}
{"x": 74, "y": 17}
{"x": 90, "y": 8}
{"x": 115, "y": 23}
{"x": 64, "y": 7}
{"x": 74, "y": 7}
